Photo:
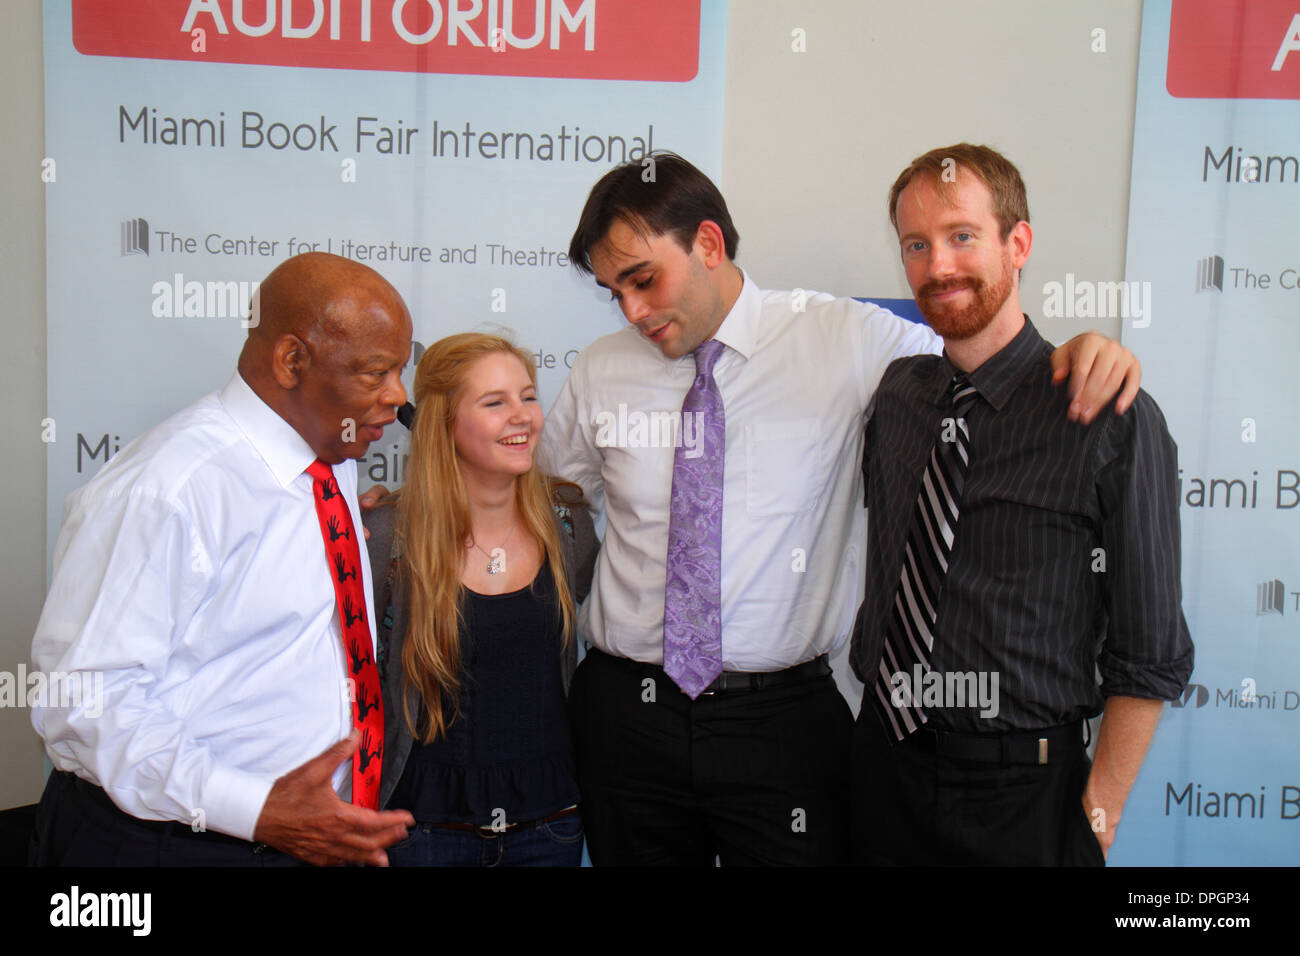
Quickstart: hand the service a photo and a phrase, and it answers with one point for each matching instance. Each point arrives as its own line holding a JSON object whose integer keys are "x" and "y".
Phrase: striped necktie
{"x": 909, "y": 638}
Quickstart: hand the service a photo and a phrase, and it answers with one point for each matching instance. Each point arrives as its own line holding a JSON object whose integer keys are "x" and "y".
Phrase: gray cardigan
{"x": 579, "y": 547}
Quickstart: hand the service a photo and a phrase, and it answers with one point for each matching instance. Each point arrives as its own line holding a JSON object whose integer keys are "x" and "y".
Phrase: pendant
{"x": 494, "y": 564}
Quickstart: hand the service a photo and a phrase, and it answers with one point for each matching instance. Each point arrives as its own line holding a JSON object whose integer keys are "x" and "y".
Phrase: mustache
{"x": 938, "y": 287}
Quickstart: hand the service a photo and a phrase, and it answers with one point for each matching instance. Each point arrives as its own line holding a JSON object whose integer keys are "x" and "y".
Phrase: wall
{"x": 22, "y": 369}
{"x": 814, "y": 140}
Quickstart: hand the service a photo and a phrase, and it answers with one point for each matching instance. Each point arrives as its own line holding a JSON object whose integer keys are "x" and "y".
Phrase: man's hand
{"x": 1096, "y": 367}
{"x": 1103, "y": 823}
{"x": 373, "y": 495}
{"x": 1127, "y": 725}
{"x": 304, "y": 817}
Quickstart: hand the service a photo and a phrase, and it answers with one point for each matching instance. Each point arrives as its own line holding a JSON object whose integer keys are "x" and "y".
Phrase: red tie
{"x": 344, "y": 556}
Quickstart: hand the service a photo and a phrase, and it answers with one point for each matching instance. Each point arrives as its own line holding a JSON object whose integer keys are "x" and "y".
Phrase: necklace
{"x": 496, "y": 560}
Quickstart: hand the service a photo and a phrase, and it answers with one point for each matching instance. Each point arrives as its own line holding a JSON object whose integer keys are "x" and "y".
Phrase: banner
{"x": 450, "y": 144}
{"x": 1214, "y": 201}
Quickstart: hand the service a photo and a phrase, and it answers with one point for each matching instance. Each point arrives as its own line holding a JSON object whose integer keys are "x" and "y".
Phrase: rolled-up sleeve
{"x": 1147, "y": 651}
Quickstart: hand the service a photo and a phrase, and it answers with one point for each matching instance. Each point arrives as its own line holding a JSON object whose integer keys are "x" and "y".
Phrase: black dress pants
{"x": 913, "y": 807}
{"x": 78, "y": 825}
{"x": 755, "y": 777}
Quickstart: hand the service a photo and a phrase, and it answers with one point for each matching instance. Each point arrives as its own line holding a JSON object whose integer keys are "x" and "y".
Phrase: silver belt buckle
{"x": 717, "y": 683}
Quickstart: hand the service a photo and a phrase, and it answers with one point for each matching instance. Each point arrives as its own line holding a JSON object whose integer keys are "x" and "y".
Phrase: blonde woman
{"x": 479, "y": 563}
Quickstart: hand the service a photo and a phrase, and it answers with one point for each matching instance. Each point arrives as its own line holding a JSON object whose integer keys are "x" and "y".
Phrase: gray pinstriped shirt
{"x": 1066, "y": 561}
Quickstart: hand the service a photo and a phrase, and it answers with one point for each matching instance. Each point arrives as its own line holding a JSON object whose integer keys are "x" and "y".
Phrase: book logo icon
{"x": 135, "y": 237}
{"x": 1269, "y": 597}
{"x": 1209, "y": 274}
{"x": 1195, "y": 694}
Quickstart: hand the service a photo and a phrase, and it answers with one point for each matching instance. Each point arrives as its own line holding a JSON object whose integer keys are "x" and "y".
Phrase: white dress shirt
{"x": 191, "y": 573}
{"x": 796, "y": 383}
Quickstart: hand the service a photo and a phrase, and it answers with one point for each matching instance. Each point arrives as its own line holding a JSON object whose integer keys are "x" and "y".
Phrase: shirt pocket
{"x": 786, "y": 467}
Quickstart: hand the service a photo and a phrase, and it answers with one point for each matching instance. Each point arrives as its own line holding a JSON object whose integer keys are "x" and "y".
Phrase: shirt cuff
{"x": 1154, "y": 681}
{"x": 233, "y": 800}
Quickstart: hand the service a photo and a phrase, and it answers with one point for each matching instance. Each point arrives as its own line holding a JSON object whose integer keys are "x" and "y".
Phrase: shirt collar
{"x": 739, "y": 329}
{"x": 285, "y": 452}
{"x": 1002, "y": 372}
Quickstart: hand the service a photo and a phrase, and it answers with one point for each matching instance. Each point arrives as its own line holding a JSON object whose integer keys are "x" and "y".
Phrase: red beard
{"x": 953, "y": 321}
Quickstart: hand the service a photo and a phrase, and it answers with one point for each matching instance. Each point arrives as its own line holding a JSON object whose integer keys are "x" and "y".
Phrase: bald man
{"x": 200, "y": 592}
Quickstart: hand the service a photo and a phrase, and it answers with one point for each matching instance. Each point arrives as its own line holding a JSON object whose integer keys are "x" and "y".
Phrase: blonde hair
{"x": 433, "y": 525}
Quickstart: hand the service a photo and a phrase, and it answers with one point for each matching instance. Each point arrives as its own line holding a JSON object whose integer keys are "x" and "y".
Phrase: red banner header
{"x": 586, "y": 39}
{"x": 1234, "y": 49}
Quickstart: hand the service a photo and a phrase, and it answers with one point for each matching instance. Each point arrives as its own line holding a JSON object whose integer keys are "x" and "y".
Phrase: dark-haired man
{"x": 209, "y": 586}
{"x": 721, "y": 434}
{"x": 1012, "y": 557}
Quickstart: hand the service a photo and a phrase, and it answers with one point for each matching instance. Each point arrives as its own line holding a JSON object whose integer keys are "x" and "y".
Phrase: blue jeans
{"x": 556, "y": 843}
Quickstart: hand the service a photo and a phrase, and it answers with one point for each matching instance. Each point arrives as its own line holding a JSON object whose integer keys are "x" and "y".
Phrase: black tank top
{"x": 509, "y": 750}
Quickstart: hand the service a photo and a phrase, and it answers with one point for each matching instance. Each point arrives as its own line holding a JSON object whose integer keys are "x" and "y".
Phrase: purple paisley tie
{"x": 693, "y": 592}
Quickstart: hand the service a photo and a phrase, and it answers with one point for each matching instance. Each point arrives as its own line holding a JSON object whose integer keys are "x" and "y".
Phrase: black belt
{"x": 734, "y": 682}
{"x": 1029, "y": 747}
{"x": 730, "y": 682}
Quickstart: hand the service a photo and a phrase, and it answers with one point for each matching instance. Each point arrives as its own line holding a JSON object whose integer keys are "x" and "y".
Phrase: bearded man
{"x": 1022, "y": 571}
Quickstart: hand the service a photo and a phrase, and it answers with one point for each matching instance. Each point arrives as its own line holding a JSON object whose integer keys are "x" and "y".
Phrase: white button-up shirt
{"x": 190, "y": 577}
{"x": 796, "y": 377}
